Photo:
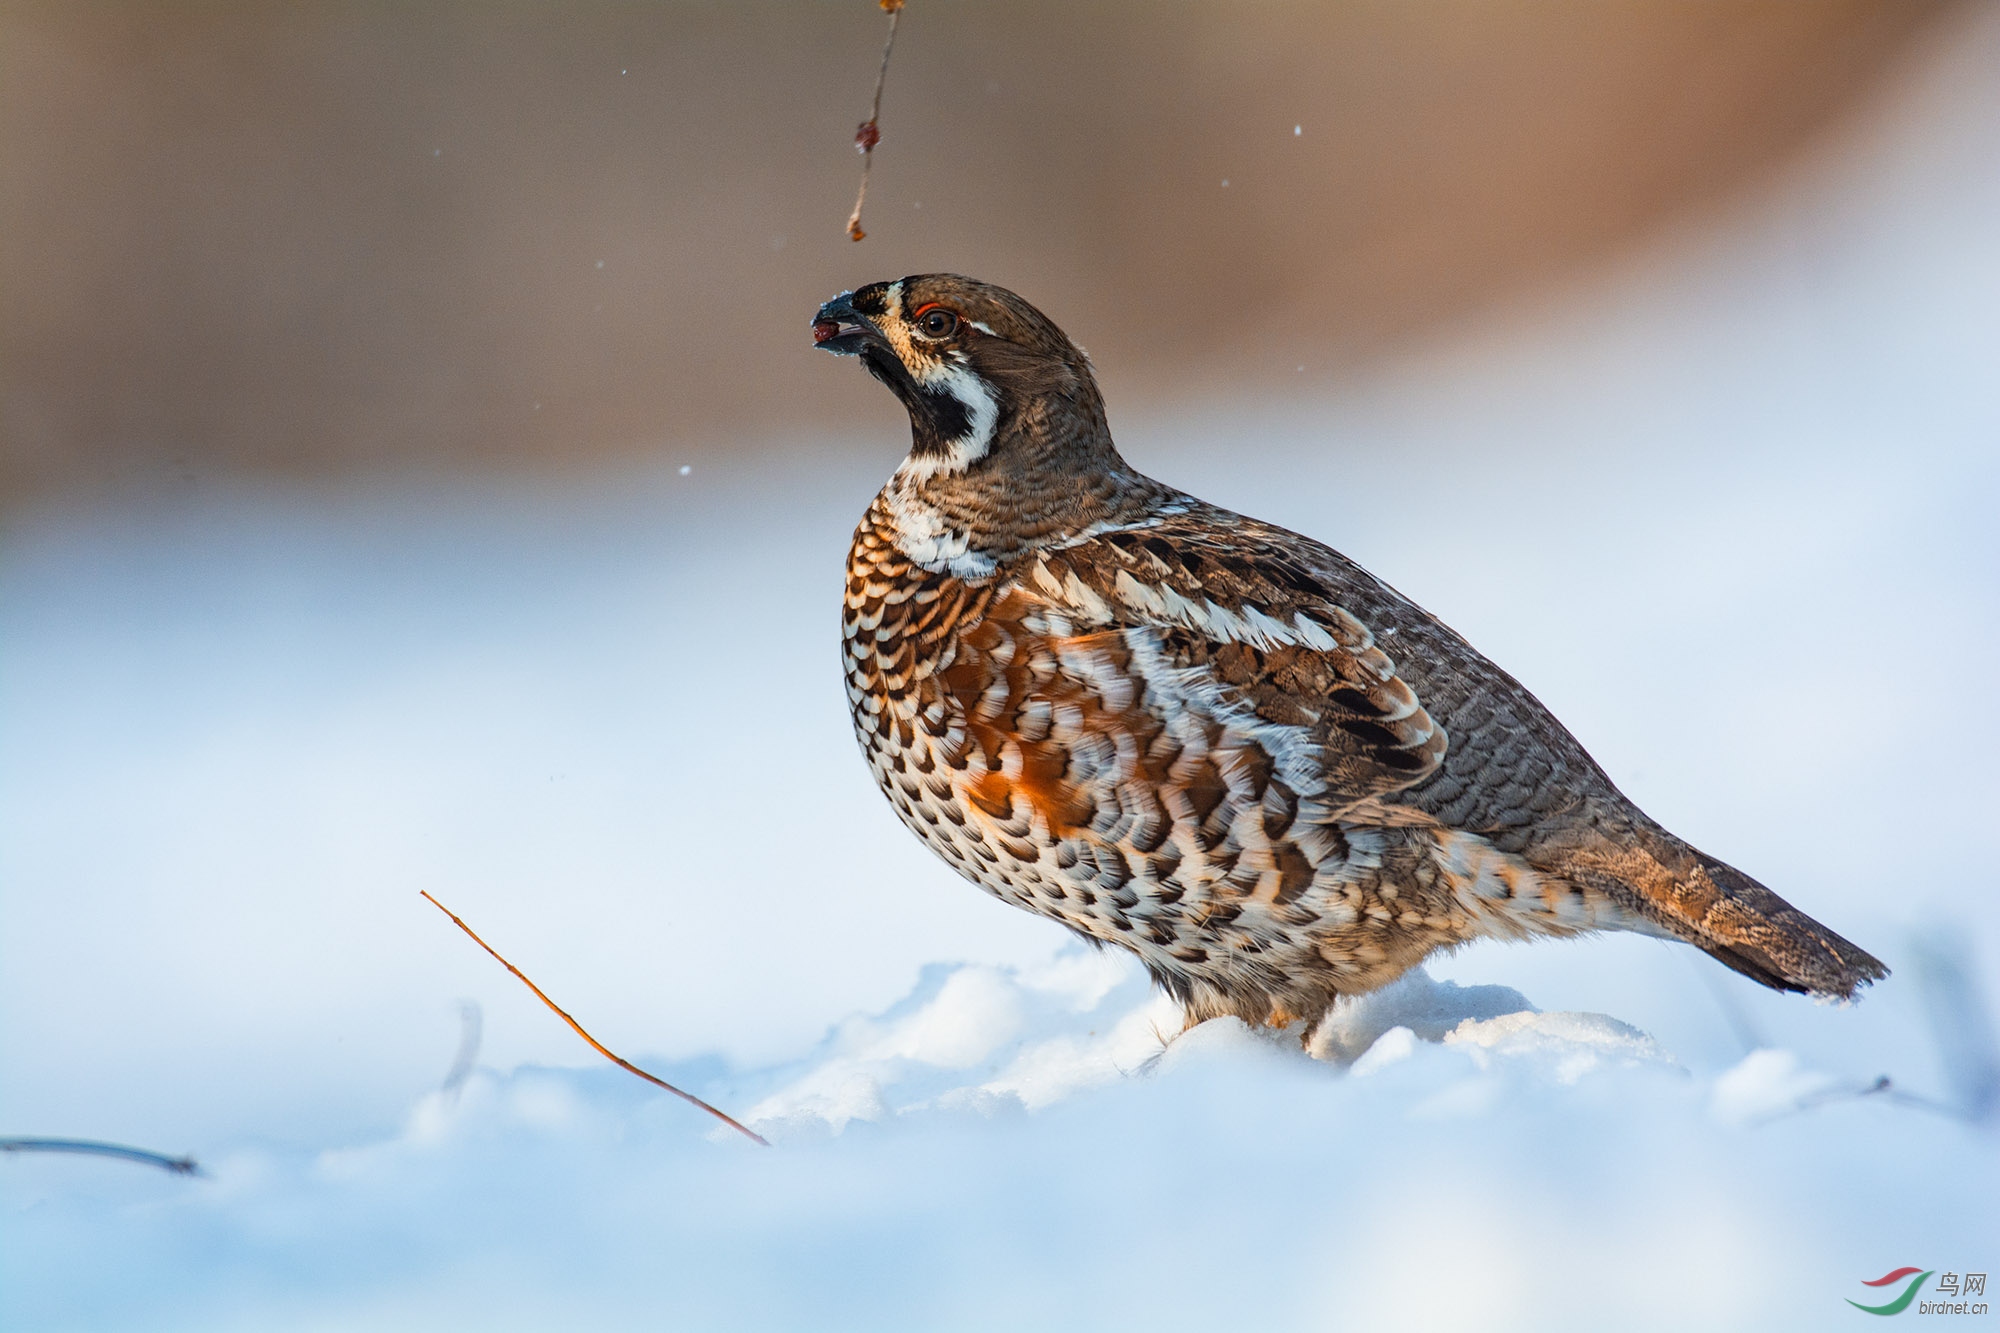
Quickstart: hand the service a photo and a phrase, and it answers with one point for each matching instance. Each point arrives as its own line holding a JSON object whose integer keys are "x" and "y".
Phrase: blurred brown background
{"x": 317, "y": 239}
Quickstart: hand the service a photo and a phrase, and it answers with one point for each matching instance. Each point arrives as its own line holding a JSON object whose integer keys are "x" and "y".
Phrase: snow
{"x": 1430, "y": 1009}
{"x": 1011, "y": 1148}
{"x": 1765, "y": 1085}
{"x": 1565, "y": 1046}
{"x": 959, "y": 1042}
{"x": 1727, "y": 509}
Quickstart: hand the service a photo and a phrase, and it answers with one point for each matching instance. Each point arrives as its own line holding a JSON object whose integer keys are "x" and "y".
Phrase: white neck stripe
{"x": 982, "y": 410}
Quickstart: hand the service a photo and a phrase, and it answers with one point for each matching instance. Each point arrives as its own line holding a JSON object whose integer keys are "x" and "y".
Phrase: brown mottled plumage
{"x": 1205, "y": 739}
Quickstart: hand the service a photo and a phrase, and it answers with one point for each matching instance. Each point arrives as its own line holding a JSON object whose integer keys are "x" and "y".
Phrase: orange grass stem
{"x": 595, "y": 1044}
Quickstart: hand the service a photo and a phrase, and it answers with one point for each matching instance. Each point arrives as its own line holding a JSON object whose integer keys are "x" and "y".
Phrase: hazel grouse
{"x": 1205, "y": 739}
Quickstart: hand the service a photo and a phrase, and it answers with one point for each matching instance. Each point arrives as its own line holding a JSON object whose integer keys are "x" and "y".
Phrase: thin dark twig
{"x": 595, "y": 1044}
{"x": 1882, "y": 1087}
{"x": 180, "y": 1166}
{"x": 870, "y": 132}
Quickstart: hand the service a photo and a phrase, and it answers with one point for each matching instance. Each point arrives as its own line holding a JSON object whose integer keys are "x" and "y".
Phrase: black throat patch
{"x": 936, "y": 418}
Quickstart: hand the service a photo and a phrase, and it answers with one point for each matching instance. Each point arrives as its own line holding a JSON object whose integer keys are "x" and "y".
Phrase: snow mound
{"x": 1429, "y": 1009}
{"x": 1002, "y": 1040}
{"x": 977, "y": 1037}
{"x": 1764, "y": 1085}
{"x": 1570, "y": 1044}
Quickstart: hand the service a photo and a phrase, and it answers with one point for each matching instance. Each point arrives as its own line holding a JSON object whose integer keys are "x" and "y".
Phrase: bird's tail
{"x": 1745, "y": 926}
{"x": 1738, "y": 922}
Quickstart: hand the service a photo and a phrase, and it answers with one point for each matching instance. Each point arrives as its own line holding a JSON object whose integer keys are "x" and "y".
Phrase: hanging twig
{"x": 180, "y": 1166}
{"x": 595, "y": 1044}
{"x": 870, "y": 132}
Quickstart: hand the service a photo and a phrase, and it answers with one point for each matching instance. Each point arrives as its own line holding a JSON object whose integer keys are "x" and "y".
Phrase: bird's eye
{"x": 936, "y": 322}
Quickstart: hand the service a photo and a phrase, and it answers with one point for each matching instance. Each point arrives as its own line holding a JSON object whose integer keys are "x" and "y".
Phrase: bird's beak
{"x": 841, "y": 329}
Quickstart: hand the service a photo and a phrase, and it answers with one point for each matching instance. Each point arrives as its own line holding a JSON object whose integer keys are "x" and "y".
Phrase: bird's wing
{"x": 1162, "y": 739}
{"x": 1252, "y": 643}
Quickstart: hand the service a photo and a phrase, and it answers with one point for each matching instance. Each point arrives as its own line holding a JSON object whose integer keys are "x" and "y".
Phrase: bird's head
{"x": 986, "y": 377}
